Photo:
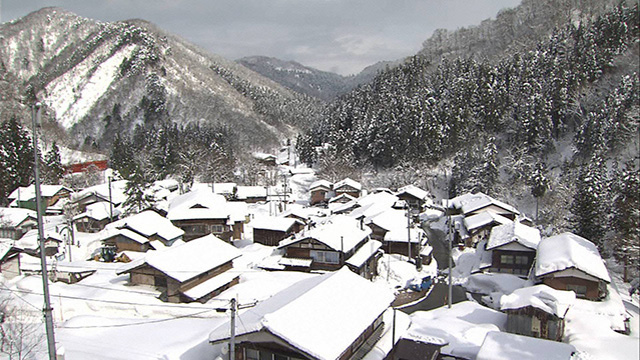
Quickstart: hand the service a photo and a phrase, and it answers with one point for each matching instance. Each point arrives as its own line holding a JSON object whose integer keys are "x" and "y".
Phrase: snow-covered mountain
{"x": 97, "y": 79}
{"x": 312, "y": 82}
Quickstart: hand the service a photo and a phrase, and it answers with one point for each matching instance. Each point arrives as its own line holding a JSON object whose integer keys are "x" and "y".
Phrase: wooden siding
{"x": 194, "y": 229}
{"x": 530, "y": 321}
{"x": 269, "y": 237}
{"x": 594, "y": 289}
{"x": 512, "y": 268}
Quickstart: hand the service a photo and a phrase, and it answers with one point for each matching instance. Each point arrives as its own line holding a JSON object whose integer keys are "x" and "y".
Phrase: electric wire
{"x": 154, "y": 321}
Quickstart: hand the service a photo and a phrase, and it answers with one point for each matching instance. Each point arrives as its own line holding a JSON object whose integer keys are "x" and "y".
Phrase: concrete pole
{"x": 51, "y": 342}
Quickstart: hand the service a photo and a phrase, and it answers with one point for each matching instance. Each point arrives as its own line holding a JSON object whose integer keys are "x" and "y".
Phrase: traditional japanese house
{"x": 479, "y": 226}
{"x": 390, "y": 227}
{"x": 417, "y": 348}
{"x": 471, "y": 204}
{"x": 271, "y": 230}
{"x": 136, "y": 232}
{"x": 414, "y": 196}
{"x": 321, "y": 192}
{"x": 25, "y": 197}
{"x": 570, "y": 262}
{"x": 513, "y": 248}
{"x": 252, "y": 194}
{"x": 199, "y": 213}
{"x": 337, "y": 316}
{"x": 14, "y": 222}
{"x": 9, "y": 260}
{"x": 194, "y": 271}
{"x": 349, "y": 187}
{"x": 96, "y": 217}
{"x": 332, "y": 244}
{"x": 537, "y": 311}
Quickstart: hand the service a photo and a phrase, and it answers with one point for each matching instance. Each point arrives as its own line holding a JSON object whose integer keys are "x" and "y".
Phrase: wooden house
{"x": 416, "y": 348}
{"x": 414, "y": 196}
{"x": 513, "y": 248}
{"x": 349, "y": 187}
{"x": 135, "y": 233}
{"x": 14, "y": 223}
{"x": 251, "y": 194}
{"x": 265, "y": 159}
{"x": 390, "y": 227}
{"x": 570, "y": 262}
{"x": 25, "y": 197}
{"x": 9, "y": 260}
{"x": 96, "y": 217}
{"x": 199, "y": 213}
{"x": 321, "y": 192}
{"x": 332, "y": 244}
{"x": 503, "y": 345}
{"x": 30, "y": 243}
{"x": 537, "y": 311}
{"x": 271, "y": 230}
{"x": 337, "y": 316}
{"x": 341, "y": 199}
{"x": 194, "y": 271}
{"x": 479, "y": 226}
{"x": 471, "y": 204}
{"x": 113, "y": 192}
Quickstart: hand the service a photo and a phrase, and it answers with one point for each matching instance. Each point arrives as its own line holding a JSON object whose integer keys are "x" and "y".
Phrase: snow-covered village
{"x": 478, "y": 198}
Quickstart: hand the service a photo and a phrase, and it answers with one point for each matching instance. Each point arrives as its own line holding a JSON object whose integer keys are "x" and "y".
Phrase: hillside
{"x": 101, "y": 79}
{"x": 309, "y": 81}
{"x": 552, "y": 121}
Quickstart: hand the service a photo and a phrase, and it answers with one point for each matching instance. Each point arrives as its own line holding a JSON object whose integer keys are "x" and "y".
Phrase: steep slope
{"x": 98, "y": 79}
{"x": 313, "y": 82}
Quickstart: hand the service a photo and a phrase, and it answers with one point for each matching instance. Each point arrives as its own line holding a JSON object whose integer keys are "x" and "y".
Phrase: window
{"x": 327, "y": 257}
{"x": 217, "y": 229}
{"x": 251, "y": 354}
{"x": 522, "y": 259}
{"x": 195, "y": 229}
{"x": 506, "y": 259}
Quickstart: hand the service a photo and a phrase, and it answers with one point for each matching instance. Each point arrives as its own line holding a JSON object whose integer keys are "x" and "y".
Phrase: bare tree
{"x": 21, "y": 331}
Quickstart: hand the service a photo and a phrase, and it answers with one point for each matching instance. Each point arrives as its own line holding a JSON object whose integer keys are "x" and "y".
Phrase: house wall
{"x": 305, "y": 253}
{"x": 269, "y": 237}
{"x": 265, "y": 350}
{"x": 238, "y": 230}
{"x": 124, "y": 244}
{"x": 318, "y": 196}
{"x": 347, "y": 190}
{"x": 568, "y": 283}
{"x": 530, "y": 321}
{"x": 414, "y": 202}
{"x": 10, "y": 268}
{"x": 377, "y": 233}
{"x": 415, "y": 350}
{"x": 394, "y": 247}
{"x": 194, "y": 229}
{"x": 521, "y": 268}
{"x": 89, "y": 225}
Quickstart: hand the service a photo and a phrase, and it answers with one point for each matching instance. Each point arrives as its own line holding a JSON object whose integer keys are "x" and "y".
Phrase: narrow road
{"x": 438, "y": 298}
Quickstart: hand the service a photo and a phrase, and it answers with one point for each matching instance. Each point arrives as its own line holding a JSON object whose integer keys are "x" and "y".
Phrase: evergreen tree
{"x": 626, "y": 214}
{"x": 16, "y": 158}
{"x": 52, "y": 165}
{"x": 589, "y": 207}
{"x": 539, "y": 183}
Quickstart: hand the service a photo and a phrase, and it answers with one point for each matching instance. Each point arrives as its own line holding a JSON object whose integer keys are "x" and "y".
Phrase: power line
{"x": 137, "y": 323}
{"x": 110, "y": 301}
{"x": 20, "y": 297}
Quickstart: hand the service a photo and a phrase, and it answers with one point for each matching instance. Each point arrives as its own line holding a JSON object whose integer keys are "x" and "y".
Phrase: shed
{"x": 271, "y": 230}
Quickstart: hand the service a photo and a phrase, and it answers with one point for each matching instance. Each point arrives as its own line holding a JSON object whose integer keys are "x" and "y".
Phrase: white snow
{"x": 504, "y": 346}
{"x": 514, "y": 232}
{"x": 149, "y": 223}
{"x": 567, "y": 251}
{"x": 340, "y": 233}
{"x": 552, "y": 301}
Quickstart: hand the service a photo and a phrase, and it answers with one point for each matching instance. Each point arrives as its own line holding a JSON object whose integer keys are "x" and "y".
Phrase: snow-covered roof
{"x": 99, "y": 211}
{"x": 118, "y": 195}
{"x": 193, "y": 258}
{"x": 463, "y": 327}
{"x": 320, "y": 184}
{"x": 348, "y": 182}
{"x": 198, "y": 214}
{"x": 484, "y": 218}
{"x": 568, "y": 250}
{"x": 30, "y": 239}
{"x": 413, "y": 191}
{"x": 149, "y": 223}
{"x": 514, "y": 232}
{"x": 273, "y": 223}
{"x": 472, "y": 202}
{"x": 246, "y": 192}
{"x": 201, "y": 198}
{"x": 346, "y": 198}
{"x": 15, "y": 216}
{"x": 542, "y": 297}
{"x": 340, "y": 233}
{"x": 317, "y": 304}
{"x": 364, "y": 253}
{"x": 400, "y": 234}
{"x": 391, "y": 219}
{"x": 29, "y": 192}
{"x": 368, "y": 206}
{"x": 210, "y": 285}
{"x": 505, "y": 346}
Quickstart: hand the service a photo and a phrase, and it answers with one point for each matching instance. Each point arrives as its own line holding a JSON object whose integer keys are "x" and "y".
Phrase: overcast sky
{"x": 342, "y": 36}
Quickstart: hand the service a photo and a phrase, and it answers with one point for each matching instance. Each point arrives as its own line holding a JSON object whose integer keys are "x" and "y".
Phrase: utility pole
{"x": 232, "y": 341}
{"x": 408, "y": 230}
{"x": 450, "y": 236}
{"x": 110, "y": 201}
{"x": 51, "y": 342}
